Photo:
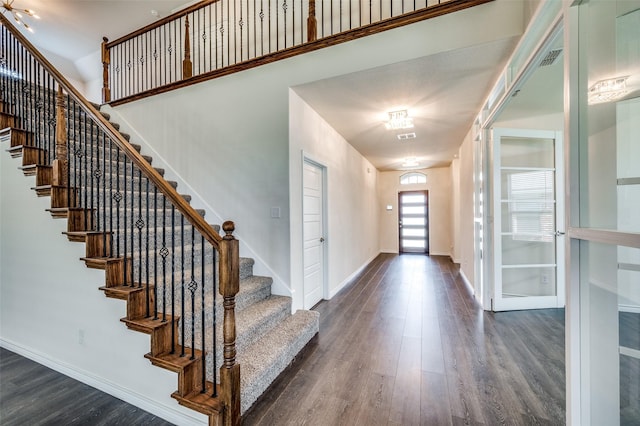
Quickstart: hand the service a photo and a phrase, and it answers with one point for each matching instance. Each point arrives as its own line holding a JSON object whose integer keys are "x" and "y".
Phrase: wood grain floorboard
{"x": 34, "y": 395}
{"x": 406, "y": 343}
{"x": 403, "y": 343}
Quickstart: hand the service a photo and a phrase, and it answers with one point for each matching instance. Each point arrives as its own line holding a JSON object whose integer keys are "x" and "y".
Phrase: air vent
{"x": 550, "y": 58}
{"x": 405, "y": 136}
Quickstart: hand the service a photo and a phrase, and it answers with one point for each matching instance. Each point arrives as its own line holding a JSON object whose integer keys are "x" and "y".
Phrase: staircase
{"x": 184, "y": 285}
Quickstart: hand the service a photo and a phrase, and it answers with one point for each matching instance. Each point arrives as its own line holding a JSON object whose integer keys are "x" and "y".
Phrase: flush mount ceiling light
{"x": 7, "y": 6}
{"x": 405, "y": 136}
{"x": 608, "y": 90}
{"x": 410, "y": 162}
{"x": 399, "y": 120}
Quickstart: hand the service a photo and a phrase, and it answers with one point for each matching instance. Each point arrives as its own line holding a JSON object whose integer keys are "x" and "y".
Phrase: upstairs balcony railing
{"x": 217, "y": 37}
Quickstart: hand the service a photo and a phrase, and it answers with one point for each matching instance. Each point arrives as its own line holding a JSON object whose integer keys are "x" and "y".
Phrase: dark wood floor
{"x": 406, "y": 344}
{"x": 31, "y": 394}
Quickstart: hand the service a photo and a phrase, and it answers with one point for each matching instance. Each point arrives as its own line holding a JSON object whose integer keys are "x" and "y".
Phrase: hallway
{"x": 406, "y": 344}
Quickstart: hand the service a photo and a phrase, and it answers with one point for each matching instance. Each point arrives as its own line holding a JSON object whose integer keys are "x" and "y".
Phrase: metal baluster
{"x": 193, "y": 286}
{"x": 132, "y": 218}
{"x": 215, "y": 344}
{"x": 91, "y": 170}
{"x": 139, "y": 224}
{"x": 155, "y": 251}
{"x": 105, "y": 236}
{"x": 118, "y": 197}
{"x": 164, "y": 252}
{"x": 173, "y": 276}
{"x": 124, "y": 209}
{"x": 111, "y": 194}
{"x": 148, "y": 314}
{"x": 182, "y": 317}
{"x": 202, "y": 323}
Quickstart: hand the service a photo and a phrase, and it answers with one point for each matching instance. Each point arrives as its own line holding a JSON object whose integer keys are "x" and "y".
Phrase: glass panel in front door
{"x": 414, "y": 222}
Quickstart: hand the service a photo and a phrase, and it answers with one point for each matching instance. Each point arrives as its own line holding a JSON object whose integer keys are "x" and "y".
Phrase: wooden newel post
{"x": 229, "y": 287}
{"x": 187, "y": 67}
{"x": 312, "y": 25}
{"x": 106, "y": 60}
{"x": 61, "y": 164}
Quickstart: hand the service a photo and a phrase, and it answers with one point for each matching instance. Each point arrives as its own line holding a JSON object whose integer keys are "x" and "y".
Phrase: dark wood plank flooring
{"x": 406, "y": 344}
{"x": 32, "y": 394}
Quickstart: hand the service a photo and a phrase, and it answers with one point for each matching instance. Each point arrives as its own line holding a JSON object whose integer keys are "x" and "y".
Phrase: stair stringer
{"x": 50, "y": 328}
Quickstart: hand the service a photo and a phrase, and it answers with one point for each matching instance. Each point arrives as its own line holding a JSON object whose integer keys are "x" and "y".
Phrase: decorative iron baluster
{"x": 155, "y": 252}
{"x": 202, "y": 323}
{"x": 117, "y": 196}
{"x": 214, "y": 290}
{"x": 182, "y": 302}
{"x": 164, "y": 252}
{"x": 173, "y": 276}
{"x": 139, "y": 224}
{"x": 125, "y": 250}
{"x": 193, "y": 286}
{"x": 147, "y": 294}
{"x": 132, "y": 216}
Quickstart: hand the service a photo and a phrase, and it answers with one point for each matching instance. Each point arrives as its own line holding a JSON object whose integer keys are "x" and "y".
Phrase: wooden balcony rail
{"x": 156, "y": 250}
{"x": 220, "y": 36}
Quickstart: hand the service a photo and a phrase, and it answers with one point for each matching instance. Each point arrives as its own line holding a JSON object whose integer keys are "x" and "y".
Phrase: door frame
{"x": 532, "y": 302}
{"x": 306, "y": 158}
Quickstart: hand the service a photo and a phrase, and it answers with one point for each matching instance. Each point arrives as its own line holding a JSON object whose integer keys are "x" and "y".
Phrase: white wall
{"x": 352, "y": 223}
{"x": 440, "y": 214}
{"x": 48, "y": 297}
{"x": 228, "y": 138}
{"x": 465, "y": 242}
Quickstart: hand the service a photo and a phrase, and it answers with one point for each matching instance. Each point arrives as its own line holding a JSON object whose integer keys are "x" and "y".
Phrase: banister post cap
{"x": 228, "y": 227}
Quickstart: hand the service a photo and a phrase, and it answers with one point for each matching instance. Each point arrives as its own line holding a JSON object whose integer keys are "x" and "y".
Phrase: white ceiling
{"x": 73, "y": 29}
{"x": 443, "y": 92}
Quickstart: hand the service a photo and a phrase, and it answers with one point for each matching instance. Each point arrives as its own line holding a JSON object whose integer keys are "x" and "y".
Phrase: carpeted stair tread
{"x": 264, "y": 360}
{"x": 252, "y": 290}
{"x": 258, "y": 318}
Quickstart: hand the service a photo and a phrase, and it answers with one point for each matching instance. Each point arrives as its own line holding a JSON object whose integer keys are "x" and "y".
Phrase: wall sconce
{"x": 608, "y": 90}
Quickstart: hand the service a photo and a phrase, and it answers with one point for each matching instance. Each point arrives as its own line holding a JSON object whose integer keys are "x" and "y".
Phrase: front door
{"x": 528, "y": 220}
{"x": 413, "y": 223}
{"x": 313, "y": 233}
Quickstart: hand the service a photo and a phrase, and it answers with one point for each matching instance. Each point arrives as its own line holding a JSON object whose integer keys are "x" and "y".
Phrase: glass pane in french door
{"x": 413, "y": 222}
{"x": 528, "y": 211}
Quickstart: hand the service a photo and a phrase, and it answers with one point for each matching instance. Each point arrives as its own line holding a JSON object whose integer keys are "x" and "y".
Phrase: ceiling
{"x": 73, "y": 29}
{"x": 442, "y": 92}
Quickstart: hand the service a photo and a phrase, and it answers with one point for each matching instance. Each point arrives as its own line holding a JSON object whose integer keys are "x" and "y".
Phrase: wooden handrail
{"x": 433, "y": 11}
{"x": 160, "y": 22}
{"x": 163, "y": 186}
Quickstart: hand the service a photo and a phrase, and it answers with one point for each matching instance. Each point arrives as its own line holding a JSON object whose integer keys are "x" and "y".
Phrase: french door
{"x": 528, "y": 220}
{"x": 413, "y": 224}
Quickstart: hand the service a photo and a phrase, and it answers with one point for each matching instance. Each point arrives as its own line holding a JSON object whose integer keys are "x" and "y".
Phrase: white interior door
{"x": 528, "y": 220}
{"x": 313, "y": 233}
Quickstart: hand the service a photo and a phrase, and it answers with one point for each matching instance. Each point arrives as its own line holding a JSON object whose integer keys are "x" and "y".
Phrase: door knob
{"x": 558, "y": 233}
{"x": 322, "y": 239}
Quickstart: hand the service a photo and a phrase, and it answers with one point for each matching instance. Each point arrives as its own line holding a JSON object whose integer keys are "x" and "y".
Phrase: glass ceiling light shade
{"x": 17, "y": 13}
{"x": 410, "y": 162}
{"x": 608, "y": 90}
{"x": 399, "y": 120}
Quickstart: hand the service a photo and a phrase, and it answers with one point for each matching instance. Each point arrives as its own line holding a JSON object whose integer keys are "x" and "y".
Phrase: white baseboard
{"x": 467, "y": 282}
{"x": 350, "y": 277}
{"x": 106, "y": 386}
